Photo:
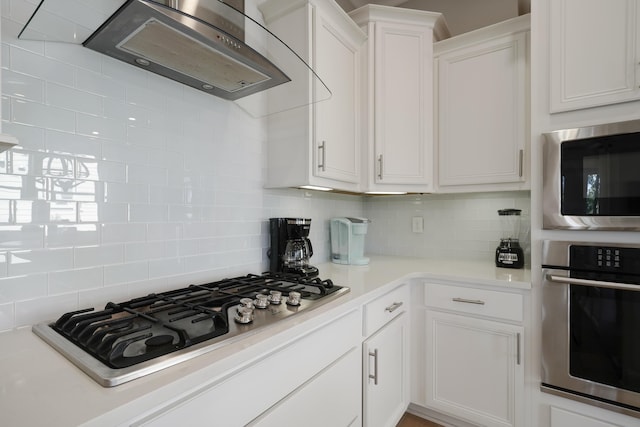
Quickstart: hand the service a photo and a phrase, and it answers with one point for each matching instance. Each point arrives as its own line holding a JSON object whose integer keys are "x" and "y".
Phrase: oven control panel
{"x": 605, "y": 259}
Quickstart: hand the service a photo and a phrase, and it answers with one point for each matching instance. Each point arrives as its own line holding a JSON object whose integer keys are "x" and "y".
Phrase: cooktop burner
{"x": 134, "y": 338}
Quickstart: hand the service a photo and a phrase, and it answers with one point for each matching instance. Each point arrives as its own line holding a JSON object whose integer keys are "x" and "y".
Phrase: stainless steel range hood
{"x": 210, "y": 45}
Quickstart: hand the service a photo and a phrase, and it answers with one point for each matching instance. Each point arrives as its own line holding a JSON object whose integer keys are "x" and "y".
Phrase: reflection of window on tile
{"x": 23, "y": 212}
{"x": 19, "y": 163}
{"x": 88, "y": 212}
{"x": 5, "y": 211}
{"x": 62, "y": 212}
{"x": 4, "y": 166}
{"x": 73, "y": 190}
{"x": 10, "y": 187}
{"x": 87, "y": 169}
{"x": 58, "y": 166}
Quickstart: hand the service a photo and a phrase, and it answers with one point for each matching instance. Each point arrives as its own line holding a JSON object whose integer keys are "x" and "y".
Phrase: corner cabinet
{"x": 317, "y": 144}
{"x": 385, "y": 359}
{"x": 594, "y": 53}
{"x": 482, "y": 108}
{"x": 398, "y": 97}
{"x": 474, "y": 355}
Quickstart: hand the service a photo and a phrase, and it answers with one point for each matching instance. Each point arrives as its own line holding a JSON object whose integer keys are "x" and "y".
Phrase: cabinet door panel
{"x": 605, "y": 72}
{"x": 336, "y": 127}
{"x": 402, "y": 110}
{"x": 482, "y": 106}
{"x": 474, "y": 369}
{"x": 385, "y": 374}
{"x": 332, "y": 398}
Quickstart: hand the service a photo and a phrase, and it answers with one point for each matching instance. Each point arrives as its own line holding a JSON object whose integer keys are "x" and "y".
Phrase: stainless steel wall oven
{"x": 591, "y": 323}
{"x": 591, "y": 177}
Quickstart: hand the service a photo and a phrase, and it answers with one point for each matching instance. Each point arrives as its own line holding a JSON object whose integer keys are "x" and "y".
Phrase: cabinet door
{"x": 594, "y": 53}
{"x": 403, "y": 104}
{"x": 332, "y": 398}
{"x": 474, "y": 369}
{"x": 337, "y": 124}
{"x": 482, "y": 124}
{"x": 386, "y": 392}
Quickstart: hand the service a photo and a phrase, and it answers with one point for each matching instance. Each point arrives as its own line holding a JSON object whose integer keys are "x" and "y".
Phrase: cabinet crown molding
{"x": 510, "y": 26}
{"x": 374, "y": 12}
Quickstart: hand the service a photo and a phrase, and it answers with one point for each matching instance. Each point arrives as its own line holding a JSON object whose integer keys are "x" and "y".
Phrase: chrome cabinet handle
{"x": 322, "y": 147}
{"x": 518, "y": 348}
{"x": 468, "y": 301}
{"x": 393, "y": 307}
{"x": 593, "y": 283}
{"x": 521, "y": 164}
{"x": 380, "y": 167}
{"x": 374, "y": 377}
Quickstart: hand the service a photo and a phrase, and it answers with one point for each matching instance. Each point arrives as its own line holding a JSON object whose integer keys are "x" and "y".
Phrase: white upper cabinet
{"x": 317, "y": 144}
{"x": 482, "y": 107}
{"x": 595, "y": 53}
{"x": 398, "y": 97}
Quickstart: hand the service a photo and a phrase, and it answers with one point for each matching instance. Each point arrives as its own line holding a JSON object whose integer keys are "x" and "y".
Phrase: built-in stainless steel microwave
{"x": 591, "y": 177}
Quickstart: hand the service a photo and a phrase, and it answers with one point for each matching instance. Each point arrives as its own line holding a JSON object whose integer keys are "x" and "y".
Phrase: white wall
{"x": 126, "y": 183}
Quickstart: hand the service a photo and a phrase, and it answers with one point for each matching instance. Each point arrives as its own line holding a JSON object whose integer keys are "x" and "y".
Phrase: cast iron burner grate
{"x": 128, "y": 333}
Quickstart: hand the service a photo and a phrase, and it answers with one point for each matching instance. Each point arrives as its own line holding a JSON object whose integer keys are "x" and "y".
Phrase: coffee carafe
{"x": 291, "y": 248}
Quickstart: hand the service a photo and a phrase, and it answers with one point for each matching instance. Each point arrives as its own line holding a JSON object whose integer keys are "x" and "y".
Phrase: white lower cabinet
{"x": 322, "y": 364}
{"x": 474, "y": 366}
{"x": 385, "y": 359}
{"x": 331, "y": 398}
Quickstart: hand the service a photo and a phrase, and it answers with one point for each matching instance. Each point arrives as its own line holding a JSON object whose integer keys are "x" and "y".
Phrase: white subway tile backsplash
{"x": 29, "y": 59}
{"x": 67, "y": 235}
{"x": 18, "y": 288}
{"x": 117, "y": 274}
{"x": 123, "y": 233}
{"x": 22, "y": 86}
{"x": 39, "y": 261}
{"x": 47, "y": 309}
{"x": 93, "y": 256}
{"x": 69, "y": 281}
{"x": 166, "y": 267}
{"x": 102, "y": 127}
{"x": 72, "y": 99}
{"x": 44, "y": 116}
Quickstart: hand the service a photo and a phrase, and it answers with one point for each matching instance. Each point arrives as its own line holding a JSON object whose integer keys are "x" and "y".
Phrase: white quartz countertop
{"x": 38, "y": 386}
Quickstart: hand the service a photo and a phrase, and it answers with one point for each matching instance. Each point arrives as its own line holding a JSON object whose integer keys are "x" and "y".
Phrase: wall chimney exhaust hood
{"x": 211, "y": 45}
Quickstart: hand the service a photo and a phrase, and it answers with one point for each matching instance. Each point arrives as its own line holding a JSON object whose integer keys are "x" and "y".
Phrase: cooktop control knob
{"x": 261, "y": 301}
{"x": 275, "y": 297}
{"x": 294, "y": 298}
{"x": 244, "y": 315}
{"x": 247, "y": 302}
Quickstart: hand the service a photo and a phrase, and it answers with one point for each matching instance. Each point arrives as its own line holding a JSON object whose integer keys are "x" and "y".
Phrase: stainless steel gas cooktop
{"x": 127, "y": 340}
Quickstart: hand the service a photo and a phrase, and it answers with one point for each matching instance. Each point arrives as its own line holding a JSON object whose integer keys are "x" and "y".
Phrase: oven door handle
{"x": 593, "y": 283}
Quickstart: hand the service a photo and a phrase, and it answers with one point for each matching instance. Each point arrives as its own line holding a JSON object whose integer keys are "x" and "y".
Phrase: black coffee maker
{"x": 290, "y": 246}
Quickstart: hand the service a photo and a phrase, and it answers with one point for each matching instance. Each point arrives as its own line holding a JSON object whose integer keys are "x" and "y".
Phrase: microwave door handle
{"x": 593, "y": 283}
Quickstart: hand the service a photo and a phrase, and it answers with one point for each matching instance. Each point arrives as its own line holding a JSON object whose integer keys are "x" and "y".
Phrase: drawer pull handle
{"x": 374, "y": 377}
{"x": 393, "y": 307}
{"x": 468, "y": 301}
{"x": 518, "y": 356}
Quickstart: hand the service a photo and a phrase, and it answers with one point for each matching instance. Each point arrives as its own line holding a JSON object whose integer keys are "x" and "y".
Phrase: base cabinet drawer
{"x": 481, "y": 302}
{"x": 563, "y": 418}
{"x": 384, "y": 308}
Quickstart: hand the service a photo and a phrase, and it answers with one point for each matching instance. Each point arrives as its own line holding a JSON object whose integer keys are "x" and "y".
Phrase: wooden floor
{"x": 409, "y": 420}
